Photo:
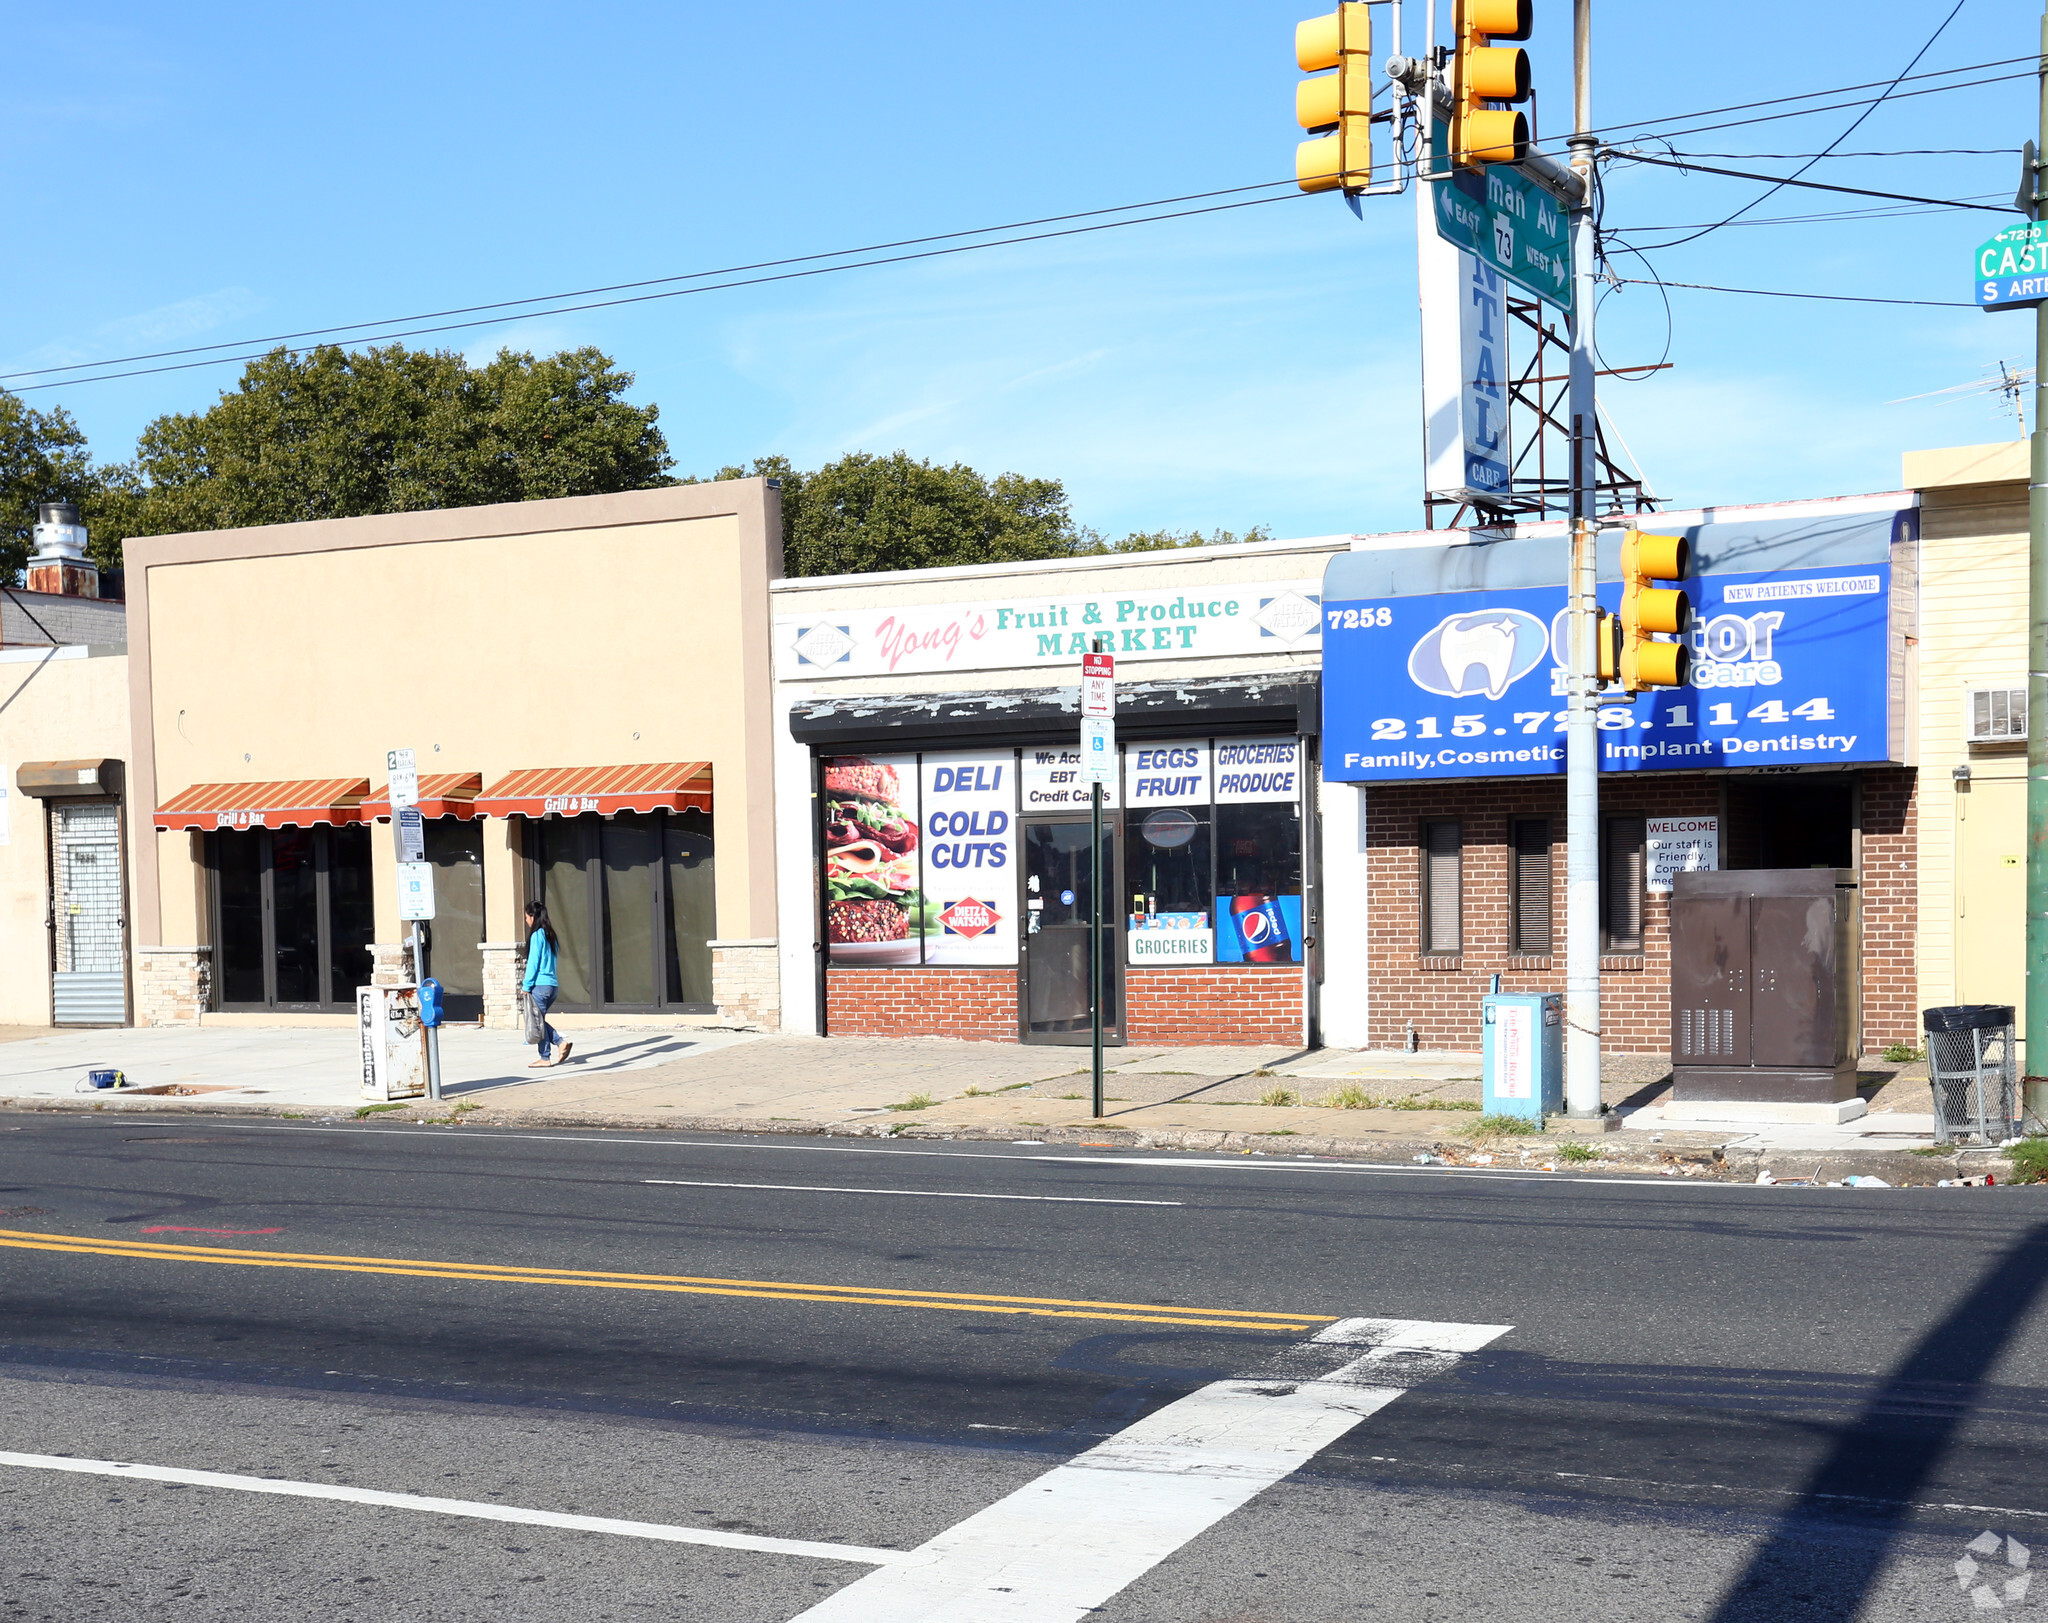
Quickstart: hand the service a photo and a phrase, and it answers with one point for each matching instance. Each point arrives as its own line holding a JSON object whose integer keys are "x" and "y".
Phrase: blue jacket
{"x": 540, "y": 962}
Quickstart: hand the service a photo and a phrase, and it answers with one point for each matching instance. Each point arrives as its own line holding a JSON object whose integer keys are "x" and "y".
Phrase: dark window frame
{"x": 1425, "y": 913}
{"x": 1522, "y": 866}
{"x": 323, "y": 874}
{"x": 1616, "y": 940}
{"x": 598, "y": 935}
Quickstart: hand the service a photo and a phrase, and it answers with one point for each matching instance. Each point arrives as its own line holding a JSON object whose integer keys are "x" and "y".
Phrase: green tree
{"x": 865, "y": 513}
{"x": 333, "y": 434}
{"x": 42, "y": 459}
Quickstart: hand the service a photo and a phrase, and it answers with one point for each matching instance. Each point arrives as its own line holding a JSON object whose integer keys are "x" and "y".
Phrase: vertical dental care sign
{"x": 969, "y": 840}
{"x": 1482, "y": 381}
{"x": 1467, "y": 449}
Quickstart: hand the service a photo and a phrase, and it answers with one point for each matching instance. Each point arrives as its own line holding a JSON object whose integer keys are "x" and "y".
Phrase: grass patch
{"x": 2030, "y": 1160}
{"x": 1933, "y": 1149}
{"x": 1577, "y": 1153}
{"x": 1900, "y": 1053}
{"x": 1280, "y": 1096}
{"x": 1422, "y": 1101}
{"x": 1349, "y": 1097}
{"x": 1012, "y": 1087}
{"x": 1031, "y": 1124}
{"x": 1502, "y": 1127}
{"x": 1280, "y": 1132}
{"x": 298, "y": 1115}
{"x": 917, "y": 1101}
{"x": 374, "y": 1110}
{"x": 1073, "y": 1096}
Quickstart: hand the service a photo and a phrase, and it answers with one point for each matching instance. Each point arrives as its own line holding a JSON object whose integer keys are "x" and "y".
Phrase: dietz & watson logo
{"x": 968, "y": 918}
{"x": 1480, "y": 651}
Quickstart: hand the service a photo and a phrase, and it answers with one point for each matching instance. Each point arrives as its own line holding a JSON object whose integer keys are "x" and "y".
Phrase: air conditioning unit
{"x": 1996, "y": 716}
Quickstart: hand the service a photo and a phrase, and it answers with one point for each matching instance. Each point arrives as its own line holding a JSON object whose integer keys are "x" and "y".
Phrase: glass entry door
{"x": 1058, "y": 870}
{"x": 455, "y": 939}
{"x": 292, "y": 917}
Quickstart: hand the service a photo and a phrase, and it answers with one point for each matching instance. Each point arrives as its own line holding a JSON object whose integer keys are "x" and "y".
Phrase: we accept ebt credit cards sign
{"x": 1789, "y": 669}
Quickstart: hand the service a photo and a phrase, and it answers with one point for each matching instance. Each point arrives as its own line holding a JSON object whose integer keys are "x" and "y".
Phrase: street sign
{"x": 1098, "y": 684}
{"x": 410, "y": 832}
{"x": 415, "y": 890}
{"x": 2012, "y": 268}
{"x": 1098, "y": 749}
{"x": 1508, "y": 220}
{"x": 404, "y": 777}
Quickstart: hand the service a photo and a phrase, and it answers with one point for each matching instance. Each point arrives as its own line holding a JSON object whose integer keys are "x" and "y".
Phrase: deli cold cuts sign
{"x": 1789, "y": 669}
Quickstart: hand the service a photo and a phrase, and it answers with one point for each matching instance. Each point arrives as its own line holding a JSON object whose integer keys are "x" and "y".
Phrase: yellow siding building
{"x": 1973, "y": 655}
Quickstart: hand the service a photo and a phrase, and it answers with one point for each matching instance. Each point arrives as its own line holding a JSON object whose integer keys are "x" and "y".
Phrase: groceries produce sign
{"x": 1235, "y": 617}
{"x": 1789, "y": 669}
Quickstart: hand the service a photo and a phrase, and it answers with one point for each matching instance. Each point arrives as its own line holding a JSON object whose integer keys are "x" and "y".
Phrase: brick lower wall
{"x": 1239, "y": 1004}
{"x": 1166, "y": 1006}
{"x": 922, "y": 1002}
{"x": 1441, "y": 996}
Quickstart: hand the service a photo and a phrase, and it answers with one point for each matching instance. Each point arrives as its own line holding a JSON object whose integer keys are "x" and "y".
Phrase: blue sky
{"x": 203, "y": 173}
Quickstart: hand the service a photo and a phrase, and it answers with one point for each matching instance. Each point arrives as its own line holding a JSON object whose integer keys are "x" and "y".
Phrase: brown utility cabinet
{"x": 1765, "y": 971}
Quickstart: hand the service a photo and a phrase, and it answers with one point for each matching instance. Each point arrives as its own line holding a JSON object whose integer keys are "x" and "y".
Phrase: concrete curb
{"x": 1699, "y": 1156}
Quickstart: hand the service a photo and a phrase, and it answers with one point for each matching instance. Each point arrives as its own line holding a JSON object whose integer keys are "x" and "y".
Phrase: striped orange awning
{"x": 299, "y": 803}
{"x": 442, "y": 794}
{"x": 569, "y": 791}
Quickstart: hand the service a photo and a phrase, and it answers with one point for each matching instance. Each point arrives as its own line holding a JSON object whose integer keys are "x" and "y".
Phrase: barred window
{"x": 1529, "y": 877}
{"x": 1443, "y": 884}
{"x": 1621, "y": 885}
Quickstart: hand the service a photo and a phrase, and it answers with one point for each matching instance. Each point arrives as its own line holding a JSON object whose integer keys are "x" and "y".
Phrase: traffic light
{"x": 1606, "y": 645}
{"x": 1482, "y": 73}
{"x": 1339, "y": 103}
{"x": 1648, "y": 610}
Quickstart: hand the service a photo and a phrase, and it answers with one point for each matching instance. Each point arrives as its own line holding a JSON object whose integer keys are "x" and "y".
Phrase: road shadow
{"x": 633, "y": 1054}
{"x": 1884, "y": 1460}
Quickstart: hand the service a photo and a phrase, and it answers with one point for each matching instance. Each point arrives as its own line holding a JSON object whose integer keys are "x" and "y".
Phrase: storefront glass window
{"x": 563, "y": 858}
{"x": 631, "y": 846}
{"x": 292, "y": 918}
{"x": 455, "y": 846}
{"x": 691, "y": 906}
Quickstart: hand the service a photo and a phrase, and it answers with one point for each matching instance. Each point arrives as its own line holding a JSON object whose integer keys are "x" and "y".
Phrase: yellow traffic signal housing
{"x": 1606, "y": 645}
{"x": 1338, "y": 103}
{"x": 1648, "y": 610}
{"x": 1483, "y": 73}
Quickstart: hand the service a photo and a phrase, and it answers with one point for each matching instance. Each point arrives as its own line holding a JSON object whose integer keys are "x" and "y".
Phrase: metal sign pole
{"x": 2037, "y": 666}
{"x": 1095, "y": 952}
{"x": 1582, "y": 738}
{"x": 1098, "y": 758}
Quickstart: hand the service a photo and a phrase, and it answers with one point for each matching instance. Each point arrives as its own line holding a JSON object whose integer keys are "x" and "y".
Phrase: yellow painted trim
{"x": 773, "y": 1290}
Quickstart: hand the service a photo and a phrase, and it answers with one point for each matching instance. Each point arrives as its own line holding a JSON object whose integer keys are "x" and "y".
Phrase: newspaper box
{"x": 394, "y": 1042}
{"x": 1524, "y": 1055}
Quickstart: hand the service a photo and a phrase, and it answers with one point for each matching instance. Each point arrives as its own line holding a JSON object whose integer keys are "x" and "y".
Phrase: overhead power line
{"x": 1807, "y": 185}
{"x": 1814, "y": 95}
{"x": 1831, "y": 107}
{"x": 1783, "y": 293}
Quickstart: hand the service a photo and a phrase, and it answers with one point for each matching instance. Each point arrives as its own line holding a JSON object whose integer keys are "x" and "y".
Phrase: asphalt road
{"x": 1711, "y": 1401}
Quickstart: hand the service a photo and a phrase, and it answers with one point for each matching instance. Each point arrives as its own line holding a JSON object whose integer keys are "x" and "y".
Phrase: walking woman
{"x": 541, "y": 984}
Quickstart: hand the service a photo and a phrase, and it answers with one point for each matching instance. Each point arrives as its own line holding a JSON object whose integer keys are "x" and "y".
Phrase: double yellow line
{"x": 1043, "y": 1307}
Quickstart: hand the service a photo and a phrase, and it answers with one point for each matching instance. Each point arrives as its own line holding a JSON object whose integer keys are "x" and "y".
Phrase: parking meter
{"x": 430, "y": 1003}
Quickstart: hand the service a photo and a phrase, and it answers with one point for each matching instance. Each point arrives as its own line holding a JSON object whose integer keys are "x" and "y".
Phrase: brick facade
{"x": 746, "y": 982}
{"x": 1441, "y": 995}
{"x": 1166, "y": 1006}
{"x": 173, "y": 985}
{"x": 922, "y": 1002}
{"x": 1194, "y": 1004}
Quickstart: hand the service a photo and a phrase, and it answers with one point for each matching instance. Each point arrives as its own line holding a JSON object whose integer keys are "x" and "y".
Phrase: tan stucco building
{"x": 585, "y": 685}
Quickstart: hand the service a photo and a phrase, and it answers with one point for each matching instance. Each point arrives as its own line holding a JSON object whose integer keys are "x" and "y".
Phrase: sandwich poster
{"x": 875, "y": 912}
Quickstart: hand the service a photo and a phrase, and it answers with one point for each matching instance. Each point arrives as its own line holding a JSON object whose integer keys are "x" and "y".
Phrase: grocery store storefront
{"x": 1443, "y": 759}
{"x": 943, "y": 837}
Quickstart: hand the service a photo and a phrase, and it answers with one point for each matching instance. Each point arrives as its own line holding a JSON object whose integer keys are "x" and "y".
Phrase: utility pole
{"x": 2037, "y": 646}
{"x": 1582, "y": 736}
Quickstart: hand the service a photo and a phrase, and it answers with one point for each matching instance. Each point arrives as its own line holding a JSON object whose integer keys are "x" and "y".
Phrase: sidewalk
{"x": 1269, "y": 1100}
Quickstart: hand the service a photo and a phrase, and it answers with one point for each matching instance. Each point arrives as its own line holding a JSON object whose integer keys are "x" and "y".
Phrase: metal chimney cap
{"x": 58, "y": 512}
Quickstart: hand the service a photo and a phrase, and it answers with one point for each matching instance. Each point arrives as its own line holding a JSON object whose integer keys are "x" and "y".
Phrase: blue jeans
{"x": 543, "y": 996}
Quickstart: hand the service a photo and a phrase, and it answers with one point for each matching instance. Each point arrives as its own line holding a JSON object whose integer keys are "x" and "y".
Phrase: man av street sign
{"x": 1508, "y": 220}
{"x": 2012, "y": 268}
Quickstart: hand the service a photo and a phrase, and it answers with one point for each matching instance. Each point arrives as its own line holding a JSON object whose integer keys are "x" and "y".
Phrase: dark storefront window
{"x": 1530, "y": 881}
{"x": 630, "y": 897}
{"x": 1621, "y": 885}
{"x": 1443, "y": 887}
{"x": 1167, "y": 853}
{"x": 292, "y": 918}
{"x": 455, "y": 846}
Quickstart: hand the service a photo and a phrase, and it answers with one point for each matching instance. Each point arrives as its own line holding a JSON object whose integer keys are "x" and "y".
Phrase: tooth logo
{"x": 1481, "y": 651}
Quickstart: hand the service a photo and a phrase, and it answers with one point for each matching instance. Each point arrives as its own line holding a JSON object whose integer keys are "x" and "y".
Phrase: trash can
{"x": 1971, "y": 1071}
{"x": 1523, "y": 1048}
